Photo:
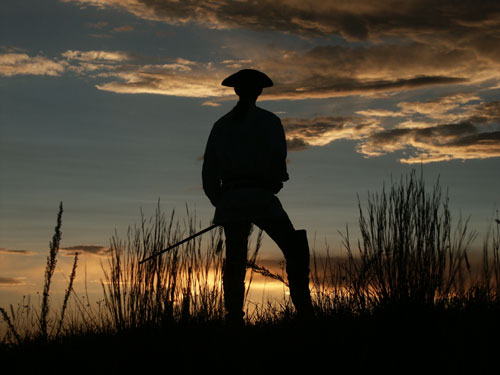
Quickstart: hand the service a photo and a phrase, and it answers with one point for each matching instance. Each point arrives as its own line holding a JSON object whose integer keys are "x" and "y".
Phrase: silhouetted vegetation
{"x": 409, "y": 279}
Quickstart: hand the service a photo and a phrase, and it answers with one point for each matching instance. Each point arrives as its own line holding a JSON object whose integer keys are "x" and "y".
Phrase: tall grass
{"x": 48, "y": 326}
{"x": 184, "y": 282}
{"x": 49, "y": 271}
{"x": 485, "y": 288}
{"x": 409, "y": 255}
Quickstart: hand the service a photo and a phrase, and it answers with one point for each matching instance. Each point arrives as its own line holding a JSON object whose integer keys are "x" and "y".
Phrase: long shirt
{"x": 245, "y": 148}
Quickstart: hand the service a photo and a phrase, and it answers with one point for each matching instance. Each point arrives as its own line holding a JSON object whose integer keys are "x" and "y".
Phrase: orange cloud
{"x": 22, "y": 64}
{"x": 432, "y": 43}
{"x": 89, "y": 249}
{"x": 432, "y": 146}
{"x": 123, "y": 29}
{"x": 165, "y": 80}
{"x": 95, "y": 55}
{"x": 324, "y": 72}
{"x": 448, "y": 108}
{"x": 476, "y": 137}
{"x": 321, "y": 72}
{"x": 320, "y": 131}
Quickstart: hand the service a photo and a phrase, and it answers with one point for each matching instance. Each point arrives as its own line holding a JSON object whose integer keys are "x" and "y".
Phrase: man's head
{"x": 250, "y": 93}
{"x": 248, "y": 83}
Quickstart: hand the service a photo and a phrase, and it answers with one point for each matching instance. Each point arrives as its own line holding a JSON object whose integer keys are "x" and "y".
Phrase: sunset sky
{"x": 106, "y": 105}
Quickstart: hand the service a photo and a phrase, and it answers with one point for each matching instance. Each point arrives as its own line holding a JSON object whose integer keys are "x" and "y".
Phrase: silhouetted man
{"x": 244, "y": 167}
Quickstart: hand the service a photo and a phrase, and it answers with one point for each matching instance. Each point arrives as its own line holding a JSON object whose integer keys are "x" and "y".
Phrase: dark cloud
{"x": 448, "y": 131}
{"x": 409, "y": 44}
{"x": 296, "y": 144}
{"x": 322, "y": 72}
{"x": 11, "y": 281}
{"x": 436, "y": 134}
{"x": 330, "y": 71}
{"x": 16, "y": 252}
{"x": 485, "y": 139}
{"x": 476, "y": 137}
{"x": 329, "y": 86}
{"x": 354, "y": 19}
{"x": 487, "y": 112}
{"x": 439, "y": 143}
{"x": 89, "y": 249}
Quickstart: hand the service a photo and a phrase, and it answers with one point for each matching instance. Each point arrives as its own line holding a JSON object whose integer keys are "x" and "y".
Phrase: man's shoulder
{"x": 262, "y": 114}
{"x": 224, "y": 120}
{"x": 267, "y": 117}
{"x": 265, "y": 113}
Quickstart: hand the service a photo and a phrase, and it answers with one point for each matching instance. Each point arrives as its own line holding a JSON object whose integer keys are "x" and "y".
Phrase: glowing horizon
{"x": 107, "y": 106}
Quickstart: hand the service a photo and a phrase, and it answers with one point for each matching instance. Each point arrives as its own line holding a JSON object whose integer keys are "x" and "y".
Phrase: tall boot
{"x": 234, "y": 269}
{"x": 233, "y": 283}
{"x": 297, "y": 268}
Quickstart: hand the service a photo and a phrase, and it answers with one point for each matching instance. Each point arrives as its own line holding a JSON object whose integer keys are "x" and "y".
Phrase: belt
{"x": 231, "y": 185}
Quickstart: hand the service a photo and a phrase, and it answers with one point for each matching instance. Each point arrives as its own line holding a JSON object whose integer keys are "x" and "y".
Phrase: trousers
{"x": 294, "y": 246}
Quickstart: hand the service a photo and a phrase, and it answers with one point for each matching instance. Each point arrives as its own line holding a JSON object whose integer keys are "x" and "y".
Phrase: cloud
{"x": 95, "y": 55}
{"x": 321, "y": 72}
{"x": 355, "y": 19}
{"x": 97, "y": 25}
{"x": 435, "y": 144}
{"x": 330, "y": 87}
{"x": 16, "y": 252}
{"x": 181, "y": 78}
{"x": 22, "y": 64}
{"x": 335, "y": 70}
{"x": 486, "y": 113}
{"x": 445, "y": 108}
{"x": 94, "y": 63}
{"x": 408, "y": 45}
{"x": 476, "y": 136}
{"x": 89, "y": 249}
{"x": 320, "y": 131}
{"x": 209, "y": 103}
{"x": 76, "y": 61}
{"x": 11, "y": 281}
{"x": 379, "y": 113}
{"x": 123, "y": 29}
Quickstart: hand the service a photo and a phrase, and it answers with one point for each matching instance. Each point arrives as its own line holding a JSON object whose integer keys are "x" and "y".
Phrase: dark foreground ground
{"x": 394, "y": 342}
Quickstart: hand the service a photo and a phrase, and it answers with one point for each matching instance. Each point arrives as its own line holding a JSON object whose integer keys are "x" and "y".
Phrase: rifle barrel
{"x": 180, "y": 243}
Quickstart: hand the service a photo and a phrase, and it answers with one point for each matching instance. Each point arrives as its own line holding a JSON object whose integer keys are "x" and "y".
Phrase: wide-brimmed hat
{"x": 248, "y": 77}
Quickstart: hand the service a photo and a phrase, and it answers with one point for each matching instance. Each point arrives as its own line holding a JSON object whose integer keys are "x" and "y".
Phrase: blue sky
{"x": 106, "y": 105}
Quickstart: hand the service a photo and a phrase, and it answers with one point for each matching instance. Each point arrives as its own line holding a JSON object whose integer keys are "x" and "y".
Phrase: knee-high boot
{"x": 234, "y": 269}
{"x": 233, "y": 282}
{"x": 297, "y": 268}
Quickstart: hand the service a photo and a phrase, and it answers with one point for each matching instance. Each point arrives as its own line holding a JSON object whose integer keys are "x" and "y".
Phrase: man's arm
{"x": 279, "y": 148}
{"x": 210, "y": 171}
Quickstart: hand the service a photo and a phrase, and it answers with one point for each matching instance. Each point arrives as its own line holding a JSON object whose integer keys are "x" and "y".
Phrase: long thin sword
{"x": 180, "y": 242}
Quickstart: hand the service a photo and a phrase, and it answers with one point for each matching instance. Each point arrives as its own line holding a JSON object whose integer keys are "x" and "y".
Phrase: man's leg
{"x": 233, "y": 276}
{"x": 293, "y": 243}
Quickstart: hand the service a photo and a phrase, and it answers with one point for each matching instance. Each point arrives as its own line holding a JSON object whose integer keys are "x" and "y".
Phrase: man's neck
{"x": 247, "y": 102}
